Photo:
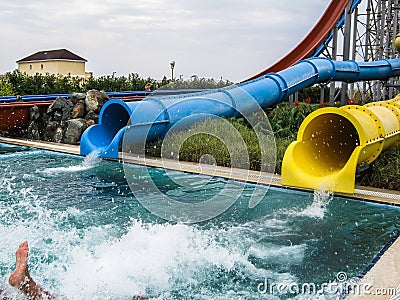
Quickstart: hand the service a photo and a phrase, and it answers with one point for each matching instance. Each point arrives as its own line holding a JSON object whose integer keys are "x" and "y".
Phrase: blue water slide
{"x": 153, "y": 117}
{"x": 32, "y": 98}
{"x": 51, "y": 97}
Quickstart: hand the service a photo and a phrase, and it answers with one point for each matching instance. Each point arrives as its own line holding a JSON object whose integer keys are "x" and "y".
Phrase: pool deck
{"x": 383, "y": 277}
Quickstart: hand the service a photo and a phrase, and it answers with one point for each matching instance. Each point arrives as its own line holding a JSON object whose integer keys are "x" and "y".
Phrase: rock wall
{"x": 66, "y": 119}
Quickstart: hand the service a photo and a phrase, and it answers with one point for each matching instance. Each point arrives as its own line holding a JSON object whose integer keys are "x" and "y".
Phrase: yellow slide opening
{"x": 333, "y": 142}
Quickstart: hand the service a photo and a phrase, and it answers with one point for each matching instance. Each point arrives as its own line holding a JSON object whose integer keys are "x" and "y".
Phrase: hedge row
{"x": 17, "y": 83}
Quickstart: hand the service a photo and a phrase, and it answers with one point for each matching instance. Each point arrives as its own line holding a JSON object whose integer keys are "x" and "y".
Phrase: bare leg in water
{"x": 21, "y": 279}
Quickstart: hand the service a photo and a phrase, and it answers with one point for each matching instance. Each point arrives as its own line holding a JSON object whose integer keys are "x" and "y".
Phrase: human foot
{"x": 20, "y": 273}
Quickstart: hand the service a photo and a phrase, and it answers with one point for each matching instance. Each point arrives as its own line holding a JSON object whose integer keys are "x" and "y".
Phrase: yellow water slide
{"x": 334, "y": 143}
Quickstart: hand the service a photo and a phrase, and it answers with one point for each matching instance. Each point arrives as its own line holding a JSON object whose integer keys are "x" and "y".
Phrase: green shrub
{"x": 40, "y": 84}
{"x": 384, "y": 171}
{"x": 313, "y": 93}
{"x": 286, "y": 120}
{"x": 6, "y": 88}
{"x": 198, "y": 83}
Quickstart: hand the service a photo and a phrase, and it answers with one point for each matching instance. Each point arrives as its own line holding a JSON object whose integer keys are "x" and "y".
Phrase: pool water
{"x": 91, "y": 239}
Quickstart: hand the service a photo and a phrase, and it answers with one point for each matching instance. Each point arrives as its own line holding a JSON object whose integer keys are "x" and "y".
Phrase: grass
{"x": 384, "y": 172}
{"x": 229, "y": 143}
{"x": 233, "y": 143}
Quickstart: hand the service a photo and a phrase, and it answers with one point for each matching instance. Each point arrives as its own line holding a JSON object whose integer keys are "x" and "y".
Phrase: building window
{"x": 41, "y": 66}
{"x": 30, "y": 67}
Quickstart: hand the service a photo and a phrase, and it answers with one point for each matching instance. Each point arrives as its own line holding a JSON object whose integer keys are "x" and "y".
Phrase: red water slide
{"x": 312, "y": 41}
{"x": 15, "y": 115}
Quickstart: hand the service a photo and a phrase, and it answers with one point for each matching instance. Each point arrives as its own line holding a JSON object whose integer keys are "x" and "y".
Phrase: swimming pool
{"x": 91, "y": 239}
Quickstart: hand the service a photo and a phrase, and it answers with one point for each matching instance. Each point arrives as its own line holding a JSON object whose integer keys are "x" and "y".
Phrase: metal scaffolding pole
{"x": 332, "y": 87}
{"x": 366, "y": 33}
{"x": 353, "y": 51}
{"x": 378, "y": 91}
{"x": 322, "y": 95}
{"x": 389, "y": 43}
{"x": 366, "y": 47}
{"x": 346, "y": 50}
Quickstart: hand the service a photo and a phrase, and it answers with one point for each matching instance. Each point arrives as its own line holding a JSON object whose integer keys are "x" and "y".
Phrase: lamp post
{"x": 172, "y": 69}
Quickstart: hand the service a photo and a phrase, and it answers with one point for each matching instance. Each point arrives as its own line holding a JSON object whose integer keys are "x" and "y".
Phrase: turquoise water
{"x": 91, "y": 239}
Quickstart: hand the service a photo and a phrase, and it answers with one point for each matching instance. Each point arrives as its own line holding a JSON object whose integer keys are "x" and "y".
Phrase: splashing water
{"x": 156, "y": 259}
{"x": 89, "y": 162}
{"x": 318, "y": 207}
{"x": 6, "y": 182}
{"x": 89, "y": 240}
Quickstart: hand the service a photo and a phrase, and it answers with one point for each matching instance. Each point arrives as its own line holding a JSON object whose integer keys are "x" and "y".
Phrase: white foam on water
{"x": 317, "y": 209}
{"x": 50, "y": 242}
{"x": 92, "y": 261}
{"x": 96, "y": 263}
{"x": 7, "y": 183}
{"x": 319, "y": 206}
{"x": 267, "y": 223}
{"x": 278, "y": 254}
{"x": 90, "y": 161}
{"x": 149, "y": 257}
{"x": 158, "y": 259}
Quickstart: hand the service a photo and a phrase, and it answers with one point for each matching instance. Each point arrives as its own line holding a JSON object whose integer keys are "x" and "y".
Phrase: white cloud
{"x": 234, "y": 39}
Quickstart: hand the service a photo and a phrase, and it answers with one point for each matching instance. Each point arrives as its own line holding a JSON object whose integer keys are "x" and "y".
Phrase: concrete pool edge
{"x": 381, "y": 271}
{"x": 51, "y": 146}
{"x": 389, "y": 197}
{"x": 377, "y": 276}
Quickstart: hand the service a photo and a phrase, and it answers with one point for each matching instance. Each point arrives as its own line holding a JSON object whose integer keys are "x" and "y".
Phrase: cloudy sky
{"x": 209, "y": 38}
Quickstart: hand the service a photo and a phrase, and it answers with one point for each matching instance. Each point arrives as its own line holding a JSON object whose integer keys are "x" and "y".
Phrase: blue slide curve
{"x": 153, "y": 117}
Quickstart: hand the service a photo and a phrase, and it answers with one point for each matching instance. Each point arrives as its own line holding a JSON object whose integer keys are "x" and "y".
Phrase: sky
{"x": 227, "y": 39}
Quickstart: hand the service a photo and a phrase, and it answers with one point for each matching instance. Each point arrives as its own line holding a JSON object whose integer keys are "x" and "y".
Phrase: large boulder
{"x": 58, "y": 134}
{"x": 57, "y": 105}
{"x": 90, "y": 122}
{"x": 34, "y": 130}
{"x": 53, "y": 132}
{"x": 79, "y": 110}
{"x": 57, "y": 116}
{"x": 73, "y": 130}
{"x": 34, "y": 113}
{"x": 67, "y": 110}
{"x": 91, "y": 115}
{"x": 75, "y": 97}
{"x": 95, "y": 100}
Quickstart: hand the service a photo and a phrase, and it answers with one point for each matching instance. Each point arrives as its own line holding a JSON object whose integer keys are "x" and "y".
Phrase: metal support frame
{"x": 332, "y": 87}
{"x": 367, "y": 34}
{"x": 346, "y": 51}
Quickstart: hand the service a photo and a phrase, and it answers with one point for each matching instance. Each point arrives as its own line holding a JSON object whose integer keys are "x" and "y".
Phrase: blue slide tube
{"x": 153, "y": 117}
